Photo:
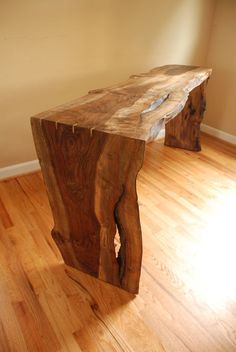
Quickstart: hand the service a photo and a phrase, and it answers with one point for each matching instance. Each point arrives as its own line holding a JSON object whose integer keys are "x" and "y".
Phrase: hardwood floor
{"x": 187, "y": 299}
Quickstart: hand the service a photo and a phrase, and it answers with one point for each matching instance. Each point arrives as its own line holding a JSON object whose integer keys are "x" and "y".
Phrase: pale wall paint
{"x": 53, "y": 51}
{"x": 221, "y": 92}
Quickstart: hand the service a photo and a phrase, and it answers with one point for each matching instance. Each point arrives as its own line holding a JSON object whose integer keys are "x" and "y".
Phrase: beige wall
{"x": 53, "y": 51}
{"x": 221, "y": 93}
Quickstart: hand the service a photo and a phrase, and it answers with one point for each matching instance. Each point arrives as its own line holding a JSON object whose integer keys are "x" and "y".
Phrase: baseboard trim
{"x": 211, "y": 131}
{"x": 218, "y": 133}
{"x": 161, "y": 134}
{"x": 19, "y": 169}
{"x": 33, "y": 165}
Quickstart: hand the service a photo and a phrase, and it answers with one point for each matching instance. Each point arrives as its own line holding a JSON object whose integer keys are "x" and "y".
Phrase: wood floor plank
{"x": 4, "y": 216}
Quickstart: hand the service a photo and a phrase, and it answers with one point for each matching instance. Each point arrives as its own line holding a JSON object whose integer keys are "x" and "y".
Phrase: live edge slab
{"x": 91, "y": 151}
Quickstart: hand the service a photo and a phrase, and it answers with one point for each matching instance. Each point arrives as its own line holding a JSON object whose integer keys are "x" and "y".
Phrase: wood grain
{"x": 184, "y": 130}
{"x": 137, "y": 108}
{"x": 92, "y": 190}
{"x": 90, "y": 153}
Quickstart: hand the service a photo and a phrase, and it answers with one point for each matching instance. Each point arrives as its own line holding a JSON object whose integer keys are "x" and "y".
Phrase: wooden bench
{"x": 91, "y": 151}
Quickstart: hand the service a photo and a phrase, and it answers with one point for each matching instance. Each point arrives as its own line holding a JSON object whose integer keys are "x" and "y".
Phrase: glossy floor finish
{"x": 187, "y": 299}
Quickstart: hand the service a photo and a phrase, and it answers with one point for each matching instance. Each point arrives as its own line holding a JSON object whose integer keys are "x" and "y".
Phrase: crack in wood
{"x": 155, "y": 104}
{"x": 121, "y": 252}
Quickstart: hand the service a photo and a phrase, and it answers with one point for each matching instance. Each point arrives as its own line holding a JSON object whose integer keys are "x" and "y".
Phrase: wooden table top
{"x": 136, "y": 108}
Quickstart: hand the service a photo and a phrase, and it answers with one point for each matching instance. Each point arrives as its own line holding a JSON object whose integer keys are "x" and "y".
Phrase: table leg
{"x": 91, "y": 183}
{"x": 183, "y": 131}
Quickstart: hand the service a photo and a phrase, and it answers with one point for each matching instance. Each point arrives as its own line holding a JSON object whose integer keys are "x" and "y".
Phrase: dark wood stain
{"x": 91, "y": 152}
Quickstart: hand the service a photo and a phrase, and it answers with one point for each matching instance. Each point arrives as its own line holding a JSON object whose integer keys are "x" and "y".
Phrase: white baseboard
{"x": 218, "y": 133}
{"x": 18, "y": 169}
{"x": 29, "y": 166}
{"x": 211, "y": 131}
{"x": 161, "y": 134}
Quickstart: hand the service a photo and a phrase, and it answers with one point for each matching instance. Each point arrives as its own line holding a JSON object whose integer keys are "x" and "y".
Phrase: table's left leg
{"x": 91, "y": 183}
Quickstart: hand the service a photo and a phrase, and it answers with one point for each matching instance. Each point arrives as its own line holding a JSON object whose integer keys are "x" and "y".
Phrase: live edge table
{"x": 90, "y": 152}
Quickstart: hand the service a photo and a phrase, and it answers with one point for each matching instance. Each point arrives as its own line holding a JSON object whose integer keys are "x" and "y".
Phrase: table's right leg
{"x": 183, "y": 131}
